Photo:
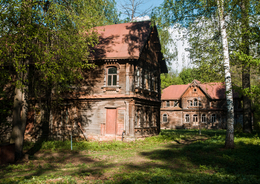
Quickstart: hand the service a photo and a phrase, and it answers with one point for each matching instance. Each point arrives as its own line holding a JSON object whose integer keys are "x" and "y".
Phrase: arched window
{"x": 213, "y": 118}
{"x": 195, "y": 118}
{"x": 195, "y": 102}
{"x": 187, "y": 118}
{"x": 165, "y": 118}
{"x": 112, "y": 76}
{"x": 203, "y": 118}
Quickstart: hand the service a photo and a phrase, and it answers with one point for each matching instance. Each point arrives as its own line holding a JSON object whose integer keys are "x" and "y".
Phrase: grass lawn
{"x": 174, "y": 156}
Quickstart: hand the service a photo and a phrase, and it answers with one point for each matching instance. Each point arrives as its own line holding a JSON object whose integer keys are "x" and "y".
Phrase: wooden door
{"x": 111, "y": 121}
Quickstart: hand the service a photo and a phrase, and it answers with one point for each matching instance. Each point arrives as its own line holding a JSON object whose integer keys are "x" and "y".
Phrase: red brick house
{"x": 122, "y": 94}
{"x": 185, "y": 106}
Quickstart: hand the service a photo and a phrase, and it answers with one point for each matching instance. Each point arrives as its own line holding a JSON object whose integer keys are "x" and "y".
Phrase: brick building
{"x": 122, "y": 93}
{"x": 185, "y": 106}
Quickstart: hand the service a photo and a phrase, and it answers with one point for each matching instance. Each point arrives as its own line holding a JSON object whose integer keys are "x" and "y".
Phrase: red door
{"x": 111, "y": 121}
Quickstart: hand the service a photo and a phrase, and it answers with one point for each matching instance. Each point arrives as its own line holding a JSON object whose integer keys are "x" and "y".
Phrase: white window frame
{"x": 195, "y": 102}
{"x": 176, "y": 103}
{"x": 165, "y": 118}
{"x": 213, "y": 118}
{"x": 195, "y": 118}
{"x": 203, "y": 118}
{"x": 190, "y": 103}
{"x": 113, "y": 77}
{"x": 187, "y": 118}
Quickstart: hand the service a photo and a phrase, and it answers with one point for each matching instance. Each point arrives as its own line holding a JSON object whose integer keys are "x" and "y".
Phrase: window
{"x": 190, "y": 102}
{"x": 146, "y": 79}
{"x": 195, "y": 118}
{"x": 194, "y": 89}
{"x": 175, "y": 103}
{"x": 112, "y": 76}
{"x": 203, "y": 118}
{"x": 187, "y": 118}
{"x": 167, "y": 103}
{"x": 213, "y": 118}
{"x": 165, "y": 118}
{"x": 200, "y": 104}
{"x": 195, "y": 102}
{"x": 137, "y": 80}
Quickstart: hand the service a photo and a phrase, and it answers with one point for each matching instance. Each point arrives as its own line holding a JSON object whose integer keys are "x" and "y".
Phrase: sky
{"x": 182, "y": 59}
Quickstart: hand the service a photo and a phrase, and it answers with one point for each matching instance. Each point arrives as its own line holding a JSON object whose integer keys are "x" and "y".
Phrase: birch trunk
{"x": 229, "y": 96}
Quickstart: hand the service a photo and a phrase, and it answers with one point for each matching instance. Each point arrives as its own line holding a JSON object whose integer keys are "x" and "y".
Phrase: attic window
{"x": 194, "y": 89}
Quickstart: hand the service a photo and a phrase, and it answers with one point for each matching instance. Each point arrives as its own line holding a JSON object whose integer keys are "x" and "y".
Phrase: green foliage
{"x": 170, "y": 78}
{"x": 54, "y": 35}
{"x": 187, "y": 75}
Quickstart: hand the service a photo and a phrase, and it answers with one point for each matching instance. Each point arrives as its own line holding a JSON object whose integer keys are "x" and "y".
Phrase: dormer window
{"x": 112, "y": 76}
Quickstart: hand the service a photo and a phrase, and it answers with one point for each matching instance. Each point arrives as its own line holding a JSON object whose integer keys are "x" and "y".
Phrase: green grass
{"x": 174, "y": 156}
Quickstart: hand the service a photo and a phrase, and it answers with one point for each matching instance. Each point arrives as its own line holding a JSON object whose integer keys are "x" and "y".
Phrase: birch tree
{"x": 242, "y": 26}
{"x": 229, "y": 94}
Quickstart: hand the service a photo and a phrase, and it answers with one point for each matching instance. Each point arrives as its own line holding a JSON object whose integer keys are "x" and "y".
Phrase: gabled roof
{"x": 174, "y": 92}
{"x": 121, "y": 41}
{"x": 214, "y": 90}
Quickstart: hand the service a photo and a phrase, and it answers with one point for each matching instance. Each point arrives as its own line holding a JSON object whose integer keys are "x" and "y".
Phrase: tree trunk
{"x": 47, "y": 113}
{"x": 20, "y": 112}
{"x": 19, "y": 122}
{"x": 229, "y": 96}
{"x": 247, "y": 123}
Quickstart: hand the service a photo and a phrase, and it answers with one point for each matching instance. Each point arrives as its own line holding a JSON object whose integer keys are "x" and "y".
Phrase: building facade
{"x": 120, "y": 96}
{"x": 194, "y": 104}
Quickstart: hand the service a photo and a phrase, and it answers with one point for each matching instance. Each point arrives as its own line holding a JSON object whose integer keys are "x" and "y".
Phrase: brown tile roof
{"x": 216, "y": 90}
{"x": 173, "y": 92}
{"x": 121, "y": 41}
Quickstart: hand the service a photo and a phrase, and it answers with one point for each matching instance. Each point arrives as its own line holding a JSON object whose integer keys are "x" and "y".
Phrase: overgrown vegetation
{"x": 174, "y": 156}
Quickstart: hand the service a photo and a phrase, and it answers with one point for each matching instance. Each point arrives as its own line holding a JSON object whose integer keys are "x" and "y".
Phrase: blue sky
{"x": 182, "y": 60}
{"x": 145, "y": 5}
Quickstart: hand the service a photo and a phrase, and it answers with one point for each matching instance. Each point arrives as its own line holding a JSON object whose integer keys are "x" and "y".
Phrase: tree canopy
{"x": 50, "y": 39}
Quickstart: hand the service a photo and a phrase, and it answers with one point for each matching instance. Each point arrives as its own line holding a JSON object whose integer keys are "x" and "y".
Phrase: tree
{"x": 50, "y": 38}
{"x": 229, "y": 95}
{"x": 170, "y": 78}
{"x": 186, "y": 12}
{"x": 240, "y": 17}
{"x": 131, "y": 8}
